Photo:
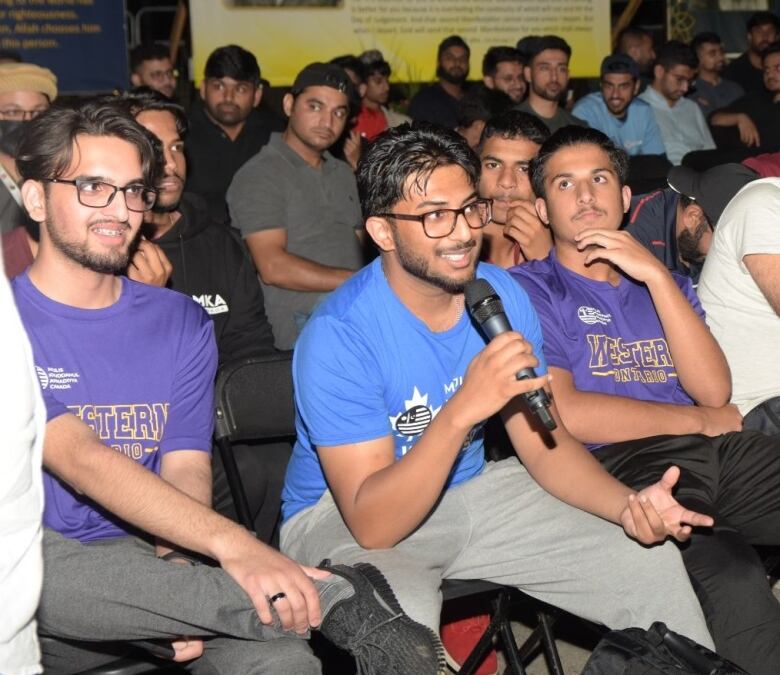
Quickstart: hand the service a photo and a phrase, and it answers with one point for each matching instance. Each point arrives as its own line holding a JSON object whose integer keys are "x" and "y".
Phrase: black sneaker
{"x": 371, "y": 626}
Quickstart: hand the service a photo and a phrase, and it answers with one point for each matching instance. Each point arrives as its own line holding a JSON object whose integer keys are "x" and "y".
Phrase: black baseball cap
{"x": 324, "y": 75}
{"x": 712, "y": 189}
{"x": 620, "y": 64}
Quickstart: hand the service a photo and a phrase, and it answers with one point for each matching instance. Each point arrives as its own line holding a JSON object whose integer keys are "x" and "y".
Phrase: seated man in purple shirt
{"x": 639, "y": 379}
{"x": 127, "y": 371}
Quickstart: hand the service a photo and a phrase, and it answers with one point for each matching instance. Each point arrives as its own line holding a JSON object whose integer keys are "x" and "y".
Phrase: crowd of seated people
{"x": 147, "y": 245}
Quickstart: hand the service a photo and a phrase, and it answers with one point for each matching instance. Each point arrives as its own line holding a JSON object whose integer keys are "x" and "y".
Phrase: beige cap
{"x": 27, "y": 77}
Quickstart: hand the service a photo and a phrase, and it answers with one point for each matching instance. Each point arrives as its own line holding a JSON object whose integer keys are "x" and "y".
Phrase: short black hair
{"x": 46, "y": 151}
{"x": 415, "y": 151}
{"x": 569, "y": 136}
{"x": 515, "y": 124}
{"x": 374, "y": 63}
{"x": 774, "y": 48}
{"x": 705, "y": 38}
{"x": 147, "y": 52}
{"x": 234, "y": 62}
{"x": 496, "y": 55}
{"x": 627, "y": 35}
{"x": 676, "y": 53}
{"x": 351, "y": 62}
{"x": 762, "y": 19}
{"x": 142, "y": 99}
{"x": 451, "y": 41}
{"x": 481, "y": 103}
{"x": 537, "y": 45}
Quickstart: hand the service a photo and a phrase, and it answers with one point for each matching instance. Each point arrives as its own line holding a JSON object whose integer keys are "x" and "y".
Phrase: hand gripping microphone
{"x": 486, "y": 309}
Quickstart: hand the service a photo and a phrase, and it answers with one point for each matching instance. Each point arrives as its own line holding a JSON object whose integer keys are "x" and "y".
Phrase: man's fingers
{"x": 260, "y": 601}
{"x": 670, "y": 478}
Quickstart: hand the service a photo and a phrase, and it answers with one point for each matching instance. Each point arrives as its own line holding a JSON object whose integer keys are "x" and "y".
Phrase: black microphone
{"x": 487, "y": 310}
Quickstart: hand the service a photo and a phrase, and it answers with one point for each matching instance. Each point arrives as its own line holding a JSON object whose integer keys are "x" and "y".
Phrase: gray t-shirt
{"x": 562, "y": 117}
{"x": 714, "y": 97}
{"x": 320, "y": 210}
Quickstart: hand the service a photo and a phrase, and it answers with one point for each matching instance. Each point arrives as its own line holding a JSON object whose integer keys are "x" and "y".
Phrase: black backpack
{"x": 657, "y": 651}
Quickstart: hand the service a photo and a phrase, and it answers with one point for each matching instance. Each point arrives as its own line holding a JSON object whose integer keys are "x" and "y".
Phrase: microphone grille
{"x": 482, "y": 300}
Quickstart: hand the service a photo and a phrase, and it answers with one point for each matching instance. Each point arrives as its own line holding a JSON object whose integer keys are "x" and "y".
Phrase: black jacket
{"x": 212, "y": 266}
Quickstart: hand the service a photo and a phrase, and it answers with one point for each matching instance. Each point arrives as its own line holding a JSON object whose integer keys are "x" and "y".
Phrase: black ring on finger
{"x": 277, "y": 596}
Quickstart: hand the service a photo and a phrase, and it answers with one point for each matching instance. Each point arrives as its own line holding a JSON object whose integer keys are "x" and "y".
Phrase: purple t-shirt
{"x": 608, "y": 337}
{"x": 139, "y": 372}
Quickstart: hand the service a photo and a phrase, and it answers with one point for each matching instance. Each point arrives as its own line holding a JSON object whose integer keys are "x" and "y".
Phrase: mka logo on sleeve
{"x": 212, "y": 303}
{"x": 56, "y": 378}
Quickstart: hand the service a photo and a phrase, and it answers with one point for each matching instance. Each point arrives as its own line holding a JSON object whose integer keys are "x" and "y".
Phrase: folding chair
{"x": 254, "y": 401}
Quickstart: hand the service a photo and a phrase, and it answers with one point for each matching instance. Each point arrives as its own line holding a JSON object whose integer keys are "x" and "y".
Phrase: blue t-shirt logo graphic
{"x": 414, "y": 420}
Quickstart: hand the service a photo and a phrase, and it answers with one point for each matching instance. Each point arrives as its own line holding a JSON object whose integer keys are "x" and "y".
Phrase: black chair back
{"x": 254, "y": 402}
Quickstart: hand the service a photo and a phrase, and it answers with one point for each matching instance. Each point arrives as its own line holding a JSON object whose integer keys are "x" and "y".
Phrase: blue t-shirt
{"x": 139, "y": 372}
{"x": 608, "y": 337}
{"x": 365, "y": 367}
{"x": 637, "y": 133}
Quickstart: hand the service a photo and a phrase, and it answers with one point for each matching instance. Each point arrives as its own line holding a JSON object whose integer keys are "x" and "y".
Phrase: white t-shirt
{"x": 22, "y": 421}
{"x": 738, "y": 314}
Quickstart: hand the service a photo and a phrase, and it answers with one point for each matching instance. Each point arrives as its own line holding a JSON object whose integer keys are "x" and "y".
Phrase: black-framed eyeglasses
{"x": 441, "y": 222}
{"x": 97, "y": 194}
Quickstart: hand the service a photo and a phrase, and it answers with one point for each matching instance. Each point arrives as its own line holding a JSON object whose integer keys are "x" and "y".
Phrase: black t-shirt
{"x": 213, "y": 159}
{"x": 433, "y": 104}
{"x": 765, "y": 114}
{"x": 741, "y": 71}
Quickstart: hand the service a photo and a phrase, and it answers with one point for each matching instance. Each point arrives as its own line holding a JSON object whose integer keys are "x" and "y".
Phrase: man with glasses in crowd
{"x": 150, "y": 66}
{"x": 26, "y": 90}
{"x": 393, "y": 385}
{"x": 127, "y": 371}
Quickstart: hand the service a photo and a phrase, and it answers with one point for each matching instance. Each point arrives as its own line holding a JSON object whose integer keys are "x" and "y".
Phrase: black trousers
{"x": 735, "y": 478}
{"x": 262, "y": 467}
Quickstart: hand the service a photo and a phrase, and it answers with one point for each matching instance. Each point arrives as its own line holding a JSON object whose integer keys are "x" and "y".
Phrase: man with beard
{"x": 393, "y": 384}
{"x": 676, "y": 224}
{"x": 296, "y": 205}
{"x": 515, "y": 233}
{"x": 547, "y": 73}
{"x": 763, "y": 28}
{"x": 682, "y": 124}
{"x": 127, "y": 372}
{"x": 150, "y": 66}
{"x": 639, "y": 379}
{"x": 502, "y": 69}
{"x": 711, "y": 90}
{"x": 616, "y": 112}
{"x": 26, "y": 90}
{"x": 637, "y": 43}
{"x": 211, "y": 265}
{"x": 438, "y": 102}
{"x": 226, "y": 126}
{"x": 755, "y": 114}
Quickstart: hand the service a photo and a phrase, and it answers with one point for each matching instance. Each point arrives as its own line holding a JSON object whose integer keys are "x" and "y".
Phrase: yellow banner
{"x": 285, "y": 35}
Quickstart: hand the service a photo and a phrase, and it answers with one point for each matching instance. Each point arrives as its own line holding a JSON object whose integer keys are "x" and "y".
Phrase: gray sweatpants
{"x": 97, "y": 594}
{"x": 502, "y": 527}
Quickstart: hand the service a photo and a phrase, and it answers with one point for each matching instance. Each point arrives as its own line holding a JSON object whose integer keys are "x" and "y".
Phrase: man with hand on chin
{"x": 640, "y": 380}
{"x": 515, "y": 233}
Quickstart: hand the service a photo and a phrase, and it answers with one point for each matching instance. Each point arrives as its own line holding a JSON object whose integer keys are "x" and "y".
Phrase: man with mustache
{"x": 210, "y": 264}
{"x": 438, "y": 102}
{"x": 393, "y": 385}
{"x": 641, "y": 381}
{"x": 547, "y": 73}
{"x": 297, "y": 206}
{"x": 617, "y": 112}
{"x": 227, "y": 126}
{"x": 763, "y": 28}
{"x": 682, "y": 124}
{"x": 711, "y": 90}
